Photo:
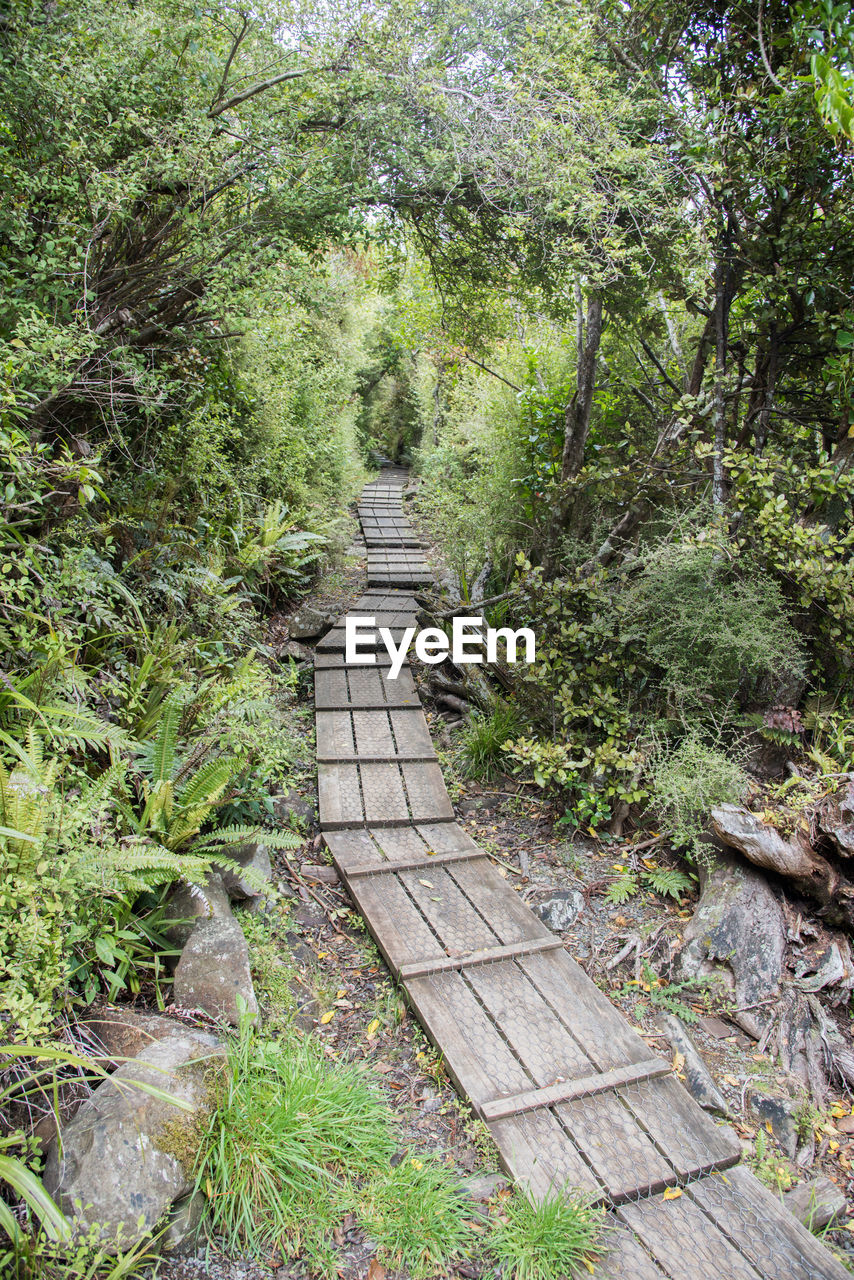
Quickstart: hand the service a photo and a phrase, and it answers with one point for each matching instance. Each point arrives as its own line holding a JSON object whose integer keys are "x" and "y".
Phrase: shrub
{"x": 687, "y": 780}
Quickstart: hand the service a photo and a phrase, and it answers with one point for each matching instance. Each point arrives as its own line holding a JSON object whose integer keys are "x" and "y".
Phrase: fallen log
{"x": 793, "y": 858}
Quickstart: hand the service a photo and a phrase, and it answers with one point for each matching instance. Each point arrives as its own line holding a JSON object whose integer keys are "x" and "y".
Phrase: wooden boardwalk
{"x": 570, "y": 1093}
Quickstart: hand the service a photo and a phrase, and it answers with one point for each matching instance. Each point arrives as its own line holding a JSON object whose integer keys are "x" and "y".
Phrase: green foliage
{"x": 276, "y": 1154}
{"x": 688, "y": 778}
{"x": 417, "y": 1214}
{"x": 485, "y": 739}
{"x": 666, "y": 881}
{"x": 550, "y": 1240}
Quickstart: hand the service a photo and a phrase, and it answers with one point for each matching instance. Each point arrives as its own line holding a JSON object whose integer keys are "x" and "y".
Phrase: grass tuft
{"x": 484, "y": 739}
{"x": 289, "y": 1131}
{"x": 547, "y": 1241}
{"x": 418, "y": 1217}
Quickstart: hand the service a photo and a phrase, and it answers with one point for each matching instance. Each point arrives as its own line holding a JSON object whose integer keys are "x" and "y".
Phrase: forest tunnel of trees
{"x": 587, "y": 268}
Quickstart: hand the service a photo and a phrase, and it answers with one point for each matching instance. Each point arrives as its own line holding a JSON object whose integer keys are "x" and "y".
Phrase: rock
{"x": 118, "y": 1034}
{"x": 485, "y": 1187}
{"x": 186, "y": 1225}
{"x": 560, "y": 910}
{"x": 189, "y": 903}
{"x": 781, "y": 1114}
{"x": 291, "y": 806}
{"x": 738, "y": 934}
{"x": 213, "y": 972}
{"x": 309, "y": 623}
{"x": 293, "y": 649}
{"x": 254, "y": 858}
{"x": 716, "y": 1027}
{"x": 126, "y": 1154}
{"x": 698, "y": 1080}
{"x": 317, "y": 871}
{"x": 817, "y": 1203}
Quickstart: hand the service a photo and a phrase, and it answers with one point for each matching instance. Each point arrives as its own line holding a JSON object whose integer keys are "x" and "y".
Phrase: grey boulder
{"x": 128, "y": 1154}
{"x": 817, "y": 1203}
{"x": 560, "y": 910}
{"x": 213, "y": 973}
{"x": 253, "y": 859}
{"x": 189, "y": 903}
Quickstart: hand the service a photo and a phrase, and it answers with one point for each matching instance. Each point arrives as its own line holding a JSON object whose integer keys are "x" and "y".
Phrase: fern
{"x": 668, "y": 882}
{"x": 227, "y": 836}
{"x": 622, "y": 889}
{"x": 160, "y": 762}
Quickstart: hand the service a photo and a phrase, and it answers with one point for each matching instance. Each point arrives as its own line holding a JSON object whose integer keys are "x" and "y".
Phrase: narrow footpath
{"x": 570, "y": 1093}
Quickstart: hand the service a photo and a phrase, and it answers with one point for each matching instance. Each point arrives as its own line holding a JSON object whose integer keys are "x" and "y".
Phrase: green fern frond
{"x": 622, "y": 889}
{"x": 668, "y": 882}
{"x": 161, "y": 764}
{"x": 226, "y": 836}
{"x": 208, "y": 782}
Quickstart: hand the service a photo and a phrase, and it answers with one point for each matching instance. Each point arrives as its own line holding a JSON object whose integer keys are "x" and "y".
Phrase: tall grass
{"x": 483, "y": 742}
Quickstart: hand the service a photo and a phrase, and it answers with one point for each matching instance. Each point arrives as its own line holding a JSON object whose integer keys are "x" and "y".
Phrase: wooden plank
{"x": 422, "y": 863}
{"x": 542, "y": 1044}
{"x": 624, "y": 1258}
{"x": 534, "y": 1151}
{"x": 449, "y": 913}
{"x": 330, "y": 689}
{"x": 425, "y": 787}
{"x": 609, "y": 1137}
{"x": 488, "y": 955}
{"x": 372, "y": 731}
{"x": 350, "y": 849}
{"x": 411, "y": 732}
{"x": 397, "y": 927}
{"x": 339, "y": 795}
{"x": 334, "y": 732}
{"x": 685, "y": 1241}
{"x": 502, "y": 906}
{"x": 388, "y": 757}
{"x": 384, "y": 798}
{"x": 587, "y": 1086}
{"x": 687, "y": 1134}
{"x": 587, "y": 1014}
{"x": 475, "y": 1055}
{"x": 766, "y": 1232}
{"x": 444, "y": 837}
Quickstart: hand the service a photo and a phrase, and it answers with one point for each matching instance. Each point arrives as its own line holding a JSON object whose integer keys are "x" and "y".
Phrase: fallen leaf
{"x": 373, "y": 1027}
{"x": 672, "y": 1193}
{"x": 845, "y": 1124}
{"x": 376, "y": 1270}
{"x": 731, "y": 1081}
{"x": 427, "y": 884}
{"x": 327, "y": 1017}
{"x": 341, "y": 994}
{"x": 678, "y": 1061}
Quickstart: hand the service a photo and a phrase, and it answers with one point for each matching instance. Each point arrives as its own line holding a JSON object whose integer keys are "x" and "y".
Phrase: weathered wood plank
{"x": 769, "y": 1235}
{"x": 685, "y": 1241}
{"x": 587, "y": 1014}
{"x": 384, "y": 798}
{"x": 687, "y": 1134}
{"x": 534, "y": 1150}
{"x": 476, "y": 1057}
{"x": 451, "y": 916}
{"x": 422, "y": 863}
{"x": 397, "y": 927}
{"x": 334, "y": 731}
{"x": 471, "y": 959}
{"x": 585, "y": 1086}
{"x": 624, "y": 1258}
{"x": 609, "y": 1137}
{"x": 339, "y": 795}
{"x": 425, "y": 787}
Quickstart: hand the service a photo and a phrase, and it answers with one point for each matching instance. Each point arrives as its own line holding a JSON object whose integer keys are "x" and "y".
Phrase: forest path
{"x": 571, "y": 1095}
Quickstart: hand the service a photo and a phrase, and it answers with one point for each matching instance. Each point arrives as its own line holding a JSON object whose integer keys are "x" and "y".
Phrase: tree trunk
{"x": 580, "y": 406}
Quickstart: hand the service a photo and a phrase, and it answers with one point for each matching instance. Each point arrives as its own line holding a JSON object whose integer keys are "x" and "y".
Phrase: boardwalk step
{"x": 566, "y": 1090}
{"x": 490, "y": 955}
